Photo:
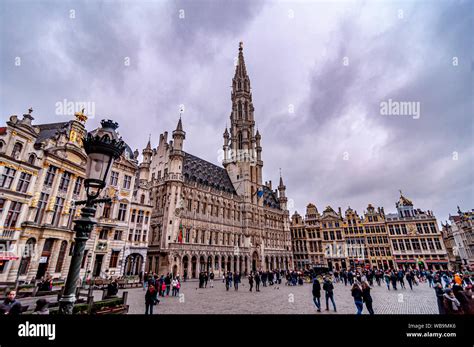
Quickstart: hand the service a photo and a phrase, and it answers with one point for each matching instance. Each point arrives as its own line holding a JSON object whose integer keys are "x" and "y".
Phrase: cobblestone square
{"x": 282, "y": 299}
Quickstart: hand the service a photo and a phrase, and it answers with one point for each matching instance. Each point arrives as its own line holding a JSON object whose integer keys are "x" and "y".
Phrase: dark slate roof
{"x": 198, "y": 170}
{"x": 50, "y": 130}
{"x": 269, "y": 198}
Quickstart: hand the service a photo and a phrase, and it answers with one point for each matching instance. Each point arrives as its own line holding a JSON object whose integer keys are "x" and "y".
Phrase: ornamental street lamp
{"x": 102, "y": 147}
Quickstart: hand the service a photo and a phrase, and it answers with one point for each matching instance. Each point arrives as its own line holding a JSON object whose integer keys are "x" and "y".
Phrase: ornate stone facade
{"x": 458, "y": 236}
{"x": 42, "y": 173}
{"x": 409, "y": 237}
{"x": 208, "y": 217}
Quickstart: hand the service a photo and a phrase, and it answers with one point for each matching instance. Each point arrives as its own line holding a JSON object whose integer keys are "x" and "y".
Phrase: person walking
{"x": 429, "y": 278}
{"x": 393, "y": 278}
{"x": 317, "y": 293}
{"x": 201, "y": 280}
{"x": 174, "y": 283}
{"x": 236, "y": 281}
{"x": 168, "y": 284}
{"x": 410, "y": 277}
{"x": 440, "y": 297}
{"x": 150, "y": 299}
{"x": 344, "y": 276}
{"x": 357, "y": 295}
{"x": 452, "y": 305}
{"x": 350, "y": 277}
{"x": 112, "y": 288}
{"x": 163, "y": 288}
{"x": 227, "y": 281}
{"x": 367, "y": 298}
{"x": 400, "y": 277}
{"x": 178, "y": 285}
{"x": 145, "y": 281}
{"x": 230, "y": 275}
{"x": 251, "y": 281}
{"x": 257, "y": 281}
{"x": 264, "y": 278}
{"x": 211, "y": 279}
{"x": 329, "y": 291}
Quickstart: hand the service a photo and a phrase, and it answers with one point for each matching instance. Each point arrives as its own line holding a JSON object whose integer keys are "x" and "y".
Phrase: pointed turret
{"x": 282, "y": 193}
{"x": 178, "y": 136}
{"x": 147, "y": 152}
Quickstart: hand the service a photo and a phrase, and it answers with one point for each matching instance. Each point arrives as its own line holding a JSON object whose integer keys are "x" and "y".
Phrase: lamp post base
{"x": 66, "y": 304}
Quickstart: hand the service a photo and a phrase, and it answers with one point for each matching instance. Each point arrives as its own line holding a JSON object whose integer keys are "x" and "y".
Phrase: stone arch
{"x": 133, "y": 264}
{"x": 194, "y": 266}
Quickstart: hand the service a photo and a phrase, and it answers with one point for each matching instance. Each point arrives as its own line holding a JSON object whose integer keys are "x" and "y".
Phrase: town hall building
{"x": 216, "y": 218}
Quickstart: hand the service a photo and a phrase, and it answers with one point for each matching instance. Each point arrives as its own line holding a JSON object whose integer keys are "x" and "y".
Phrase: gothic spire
{"x": 240, "y": 70}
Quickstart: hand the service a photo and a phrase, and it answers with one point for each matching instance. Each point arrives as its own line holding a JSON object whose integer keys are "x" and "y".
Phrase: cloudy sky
{"x": 319, "y": 72}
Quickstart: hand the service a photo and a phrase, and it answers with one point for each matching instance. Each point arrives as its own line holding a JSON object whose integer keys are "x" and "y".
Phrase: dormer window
{"x": 17, "y": 150}
{"x": 31, "y": 159}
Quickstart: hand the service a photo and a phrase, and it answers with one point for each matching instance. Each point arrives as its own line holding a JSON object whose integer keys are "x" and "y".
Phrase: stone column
{"x": 54, "y": 256}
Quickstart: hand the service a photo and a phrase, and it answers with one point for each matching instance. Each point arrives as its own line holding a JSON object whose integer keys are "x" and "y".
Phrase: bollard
{"x": 90, "y": 303}
{"x": 124, "y": 297}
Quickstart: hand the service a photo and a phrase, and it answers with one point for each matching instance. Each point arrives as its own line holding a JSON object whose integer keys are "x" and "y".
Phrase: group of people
{"x": 12, "y": 307}
{"x": 455, "y": 296}
{"x": 453, "y": 289}
{"x": 159, "y": 286}
{"x": 204, "y": 278}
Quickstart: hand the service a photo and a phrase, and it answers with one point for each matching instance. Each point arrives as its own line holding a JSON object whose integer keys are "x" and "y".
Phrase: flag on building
{"x": 180, "y": 235}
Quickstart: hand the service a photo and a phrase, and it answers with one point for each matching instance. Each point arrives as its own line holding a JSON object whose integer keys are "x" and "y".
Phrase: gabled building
{"x": 458, "y": 235}
{"x": 415, "y": 238}
{"x": 42, "y": 170}
{"x": 379, "y": 253}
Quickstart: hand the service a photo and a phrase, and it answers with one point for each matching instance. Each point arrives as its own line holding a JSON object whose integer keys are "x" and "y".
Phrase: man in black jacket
{"x": 11, "y": 306}
{"x": 257, "y": 281}
{"x": 317, "y": 293}
{"x": 329, "y": 290}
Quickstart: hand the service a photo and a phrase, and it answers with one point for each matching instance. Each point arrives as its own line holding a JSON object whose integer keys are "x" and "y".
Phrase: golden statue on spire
{"x": 80, "y": 116}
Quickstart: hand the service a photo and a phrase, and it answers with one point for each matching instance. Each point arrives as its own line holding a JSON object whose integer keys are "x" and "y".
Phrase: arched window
{"x": 246, "y": 111}
{"x": 240, "y": 110}
{"x": 31, "y": 159}
{"x": 240, "y": 139}
{"x": 142, "y": 199}
{"x": 17, "y": 150}
{"x": 2, "y": 146}
{"x": 61, "y": 255}
{"x": 27, "y": 254}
